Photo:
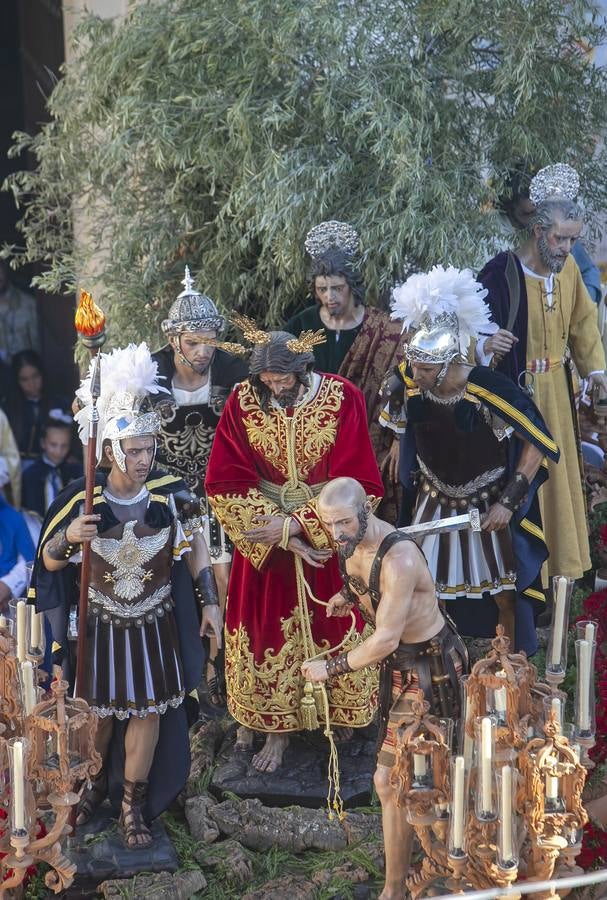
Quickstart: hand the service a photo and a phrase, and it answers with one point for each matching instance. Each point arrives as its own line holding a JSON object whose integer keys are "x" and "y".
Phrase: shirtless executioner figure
{"x": 386, "y": 576}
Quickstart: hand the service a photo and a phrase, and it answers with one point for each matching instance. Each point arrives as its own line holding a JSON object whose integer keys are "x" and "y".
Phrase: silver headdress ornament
{"x": 192, "y": 311}
{"x": 559, "y": 180}
{"x": 332, "y": 235}
{"x": 445, "y": 308}
{"x": 129, "y": 376}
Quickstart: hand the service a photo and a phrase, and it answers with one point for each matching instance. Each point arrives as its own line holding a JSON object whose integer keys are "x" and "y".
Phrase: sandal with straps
{"x": 132, "y": 822}
{"x": 92, "y": 798}
{"x": 216, "y": 684}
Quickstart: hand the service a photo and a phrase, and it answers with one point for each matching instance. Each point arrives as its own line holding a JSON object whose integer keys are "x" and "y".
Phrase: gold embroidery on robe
{"x": 266, "y": 695}
{"x": 236, "y": 513}
{"x": 314, "y": 532}
{"x": 315, "y": 430}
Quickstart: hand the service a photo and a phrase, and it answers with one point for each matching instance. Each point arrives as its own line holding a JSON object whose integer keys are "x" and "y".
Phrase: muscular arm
{"x": 64, "y": 543}
{"x": 499, "y": 515}
{"x": 530, "y": 460}
{"x": 198, "y": 558}
{"x": 199, "y": 566}
{"x": 400, "y": 574}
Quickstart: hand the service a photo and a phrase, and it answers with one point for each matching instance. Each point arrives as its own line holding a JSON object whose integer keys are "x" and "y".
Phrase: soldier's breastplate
{"x": 453, "y": 455}
{"x": 131, "y": 574}
{"x": 184, "y": 442}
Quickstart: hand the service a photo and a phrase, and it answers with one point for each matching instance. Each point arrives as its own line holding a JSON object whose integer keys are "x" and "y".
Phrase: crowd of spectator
{"x": 39, "y": 450}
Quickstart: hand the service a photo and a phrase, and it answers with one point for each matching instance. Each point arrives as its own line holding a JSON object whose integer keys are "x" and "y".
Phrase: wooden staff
{"x": 90, "y": 324}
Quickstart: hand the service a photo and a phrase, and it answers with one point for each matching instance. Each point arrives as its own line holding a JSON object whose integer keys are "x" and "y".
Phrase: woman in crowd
{"x": 30, "y": 403}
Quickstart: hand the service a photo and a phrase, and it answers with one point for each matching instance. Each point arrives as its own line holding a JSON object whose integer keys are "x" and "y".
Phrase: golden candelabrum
{"x": 508, "y": 804}
{"x": 47, "y": 749}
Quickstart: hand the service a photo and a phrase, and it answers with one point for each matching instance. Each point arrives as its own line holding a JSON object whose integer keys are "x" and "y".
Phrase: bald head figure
{"x": 342, "y": 492}
{"x": 344, "y": 511}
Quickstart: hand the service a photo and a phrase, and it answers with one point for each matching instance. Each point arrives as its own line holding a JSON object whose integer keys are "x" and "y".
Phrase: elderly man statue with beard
{"x": 537, "y": 296}
{"x": 284, "y": 433}
{"x": 385, "y": 575}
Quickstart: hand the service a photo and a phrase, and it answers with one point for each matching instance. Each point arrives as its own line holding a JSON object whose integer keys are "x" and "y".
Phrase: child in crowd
{"x": 16, "y": 546}
{"x": 47, "y": 476}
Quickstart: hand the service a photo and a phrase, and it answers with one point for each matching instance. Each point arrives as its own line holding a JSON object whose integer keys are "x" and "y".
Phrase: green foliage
{"x": 35, "y": 888}
{"x": 217, "y": 132}
{"x": 185, "y": 845}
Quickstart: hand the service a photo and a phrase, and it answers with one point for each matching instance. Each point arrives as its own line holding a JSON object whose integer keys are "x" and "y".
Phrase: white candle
{"x": 419, "y": 765}
{"x": 21, "y": 630}
{"x": 468, "y": 747}
{"x": 29, "y": 694}
{"x": 552, "y": 782}
{"x": 500, "y": 698}
{"x": 458, "y": 803}
{"x": 589, "y": 632}
{"x": 506, "y": 813}
{"x": 18, "y": 787}
{"x": 584, "y": 687}
{"x": 555, "y": 707}
{"x": 35, "y": 629}
{"x": 558, "y": 622}
{"x": 486, "y": 799}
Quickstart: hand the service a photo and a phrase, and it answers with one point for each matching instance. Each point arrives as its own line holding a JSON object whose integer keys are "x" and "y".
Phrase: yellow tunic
{"x": 572, "y": 322}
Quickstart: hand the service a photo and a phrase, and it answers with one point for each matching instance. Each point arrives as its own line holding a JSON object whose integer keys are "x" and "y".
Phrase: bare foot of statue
{"x": 244, "y": 738}
{"x": 342, "y": 734}
{"x": 270, "y": 756}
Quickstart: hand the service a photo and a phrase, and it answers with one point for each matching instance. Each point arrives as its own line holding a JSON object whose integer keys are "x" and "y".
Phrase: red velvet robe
{"x": 322, "y": 438}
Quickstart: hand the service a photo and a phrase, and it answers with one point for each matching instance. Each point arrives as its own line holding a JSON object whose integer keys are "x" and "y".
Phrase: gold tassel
{"x": 307, "y": 708}
{"x": 319, "y": 695}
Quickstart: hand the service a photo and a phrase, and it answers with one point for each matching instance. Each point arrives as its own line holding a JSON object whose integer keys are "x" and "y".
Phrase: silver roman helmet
{"x": 442, "y": 310}
{"x": 192, "y": 311}
{"x": 436, "y": 340}
{"x": 129, "y": 376}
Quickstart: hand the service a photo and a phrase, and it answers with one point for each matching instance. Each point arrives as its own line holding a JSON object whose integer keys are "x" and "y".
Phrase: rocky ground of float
{"x": 231, "y": 847}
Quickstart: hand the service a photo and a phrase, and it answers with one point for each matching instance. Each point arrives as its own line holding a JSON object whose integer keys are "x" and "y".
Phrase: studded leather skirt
{"x": 465, "y": 563}
{"x": 133, "y": 669}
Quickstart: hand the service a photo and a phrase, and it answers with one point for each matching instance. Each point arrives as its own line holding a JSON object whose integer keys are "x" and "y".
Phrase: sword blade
{"x": 471, "y": 520}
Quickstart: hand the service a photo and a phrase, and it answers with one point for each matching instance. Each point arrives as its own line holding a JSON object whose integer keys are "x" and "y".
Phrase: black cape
{"x": 502, "y": 397}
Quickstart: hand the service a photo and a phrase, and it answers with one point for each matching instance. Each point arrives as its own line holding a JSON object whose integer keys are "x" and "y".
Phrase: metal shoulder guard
{"x": 188, "y": 509}
{"x": 392, "y": 391}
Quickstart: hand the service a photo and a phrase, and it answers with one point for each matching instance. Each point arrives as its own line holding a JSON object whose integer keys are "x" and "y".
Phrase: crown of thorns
{"x": 257, "y": 337}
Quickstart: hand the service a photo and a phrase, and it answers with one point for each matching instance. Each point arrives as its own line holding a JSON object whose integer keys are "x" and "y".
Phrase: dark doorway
{"x": 31, "y": 54}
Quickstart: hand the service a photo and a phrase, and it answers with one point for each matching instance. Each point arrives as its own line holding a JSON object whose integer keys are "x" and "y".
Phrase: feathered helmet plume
{"x": 446, "y": 309}
{"x": 129, "y": 376}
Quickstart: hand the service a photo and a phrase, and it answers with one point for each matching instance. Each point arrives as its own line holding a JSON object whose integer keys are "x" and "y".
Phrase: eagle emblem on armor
{"x": 128, "y": 555}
